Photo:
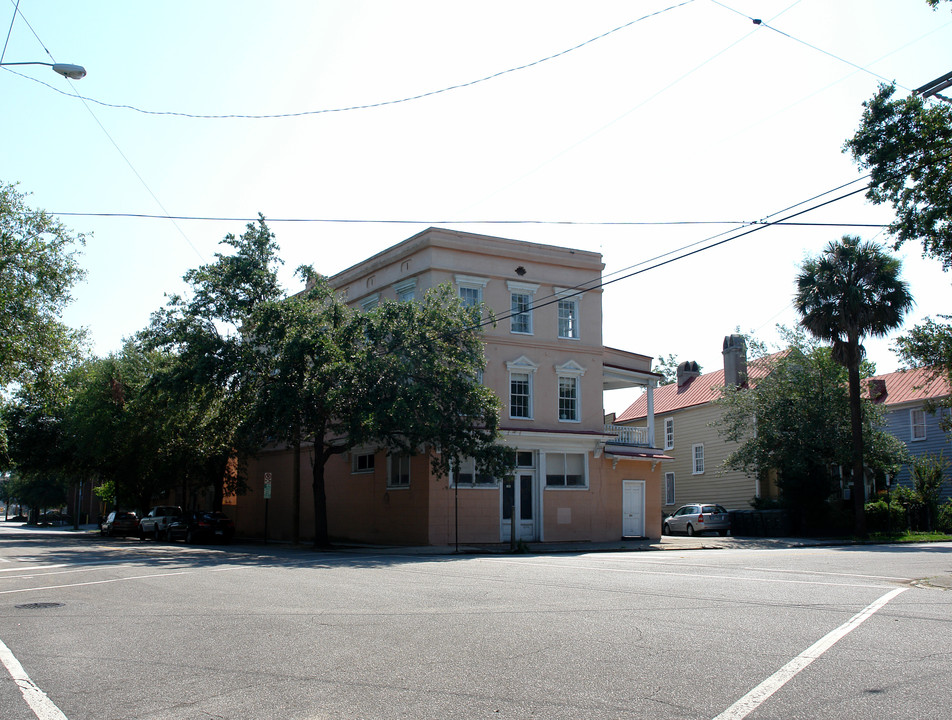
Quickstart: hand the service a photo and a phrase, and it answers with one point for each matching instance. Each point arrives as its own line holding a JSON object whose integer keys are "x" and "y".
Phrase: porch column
{"x": 650, "y": 391}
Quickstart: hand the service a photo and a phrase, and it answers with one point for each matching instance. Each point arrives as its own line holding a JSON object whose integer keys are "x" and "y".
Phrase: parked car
{"x": 156, "y": 523}
{"x": 698, "y": 518}
{"x": 202, "y": 526}
{"x": 119, "y": 522}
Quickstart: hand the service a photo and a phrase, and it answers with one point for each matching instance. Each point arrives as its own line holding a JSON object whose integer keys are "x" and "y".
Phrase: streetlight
{"x": 73, "y": 72}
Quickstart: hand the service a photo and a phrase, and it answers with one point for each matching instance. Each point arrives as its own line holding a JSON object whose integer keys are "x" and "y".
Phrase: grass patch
{"x": 910, "y": 537}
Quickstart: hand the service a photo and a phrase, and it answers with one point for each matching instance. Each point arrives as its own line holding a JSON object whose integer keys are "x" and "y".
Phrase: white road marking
{"x": 95, "y": 582}
{"x": 695, "y": 576}
{"x": 35, "y": 567}
{"x": 752, "y": 700}
{"x": 39, "y": 701}
{"x": 818, "y": 572}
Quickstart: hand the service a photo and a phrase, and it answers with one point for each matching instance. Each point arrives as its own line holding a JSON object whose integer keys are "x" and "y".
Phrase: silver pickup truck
{"x": 156, "y": 523}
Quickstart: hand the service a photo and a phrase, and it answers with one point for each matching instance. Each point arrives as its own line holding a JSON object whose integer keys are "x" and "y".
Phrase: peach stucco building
{"x": 577, "y": 478}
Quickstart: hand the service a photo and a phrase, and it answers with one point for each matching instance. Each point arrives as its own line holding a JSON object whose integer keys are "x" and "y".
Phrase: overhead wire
{"x": 111, "y": 140}
{"x": 9, "y": 31}
{"x": 624, "y": 274}
{"x": 410, "y": 221}
{"x": 367, "y": 106}
{"x": 761, "y": 23}
{"x": 660, "y": 261}
{"x": 626, "y": 113}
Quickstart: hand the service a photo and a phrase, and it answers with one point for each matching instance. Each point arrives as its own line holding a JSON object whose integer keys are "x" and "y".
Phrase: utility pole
{"x": 931, "y": 89}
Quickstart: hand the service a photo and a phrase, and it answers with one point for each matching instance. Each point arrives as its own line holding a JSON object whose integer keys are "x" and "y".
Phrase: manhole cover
{"x": 38, "y": 606}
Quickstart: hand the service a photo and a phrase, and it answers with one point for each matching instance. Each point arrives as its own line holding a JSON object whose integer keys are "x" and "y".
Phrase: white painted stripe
{"x": 95, "y": 582}
{"x": 752, "y": 700}
{"x": 819, "y": 572}
{"x": 694, "y": 576}
{"x": 34, "y": 567}
{"x": 39, "y": 701}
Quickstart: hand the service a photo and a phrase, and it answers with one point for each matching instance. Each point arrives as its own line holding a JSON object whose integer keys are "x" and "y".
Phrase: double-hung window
{"x": 568, "y": 309}
{"x": 668, "y": 433}
{"x": 520, "y": 306}
{"x": 917, "y": 420}
{"x": 471, "y": 289}
{"x": 570, "y": 380}
{"x": 521, "y": 373}
{"x": 568, "y": 398}
{"x": 406, "y": 290}
{"x": 565, "y": 470}
{"x": 669, "y": 488}
{"x": 398, "y": 470}
{"x": 520, "y": 395}
{"x": 697, "y": 455}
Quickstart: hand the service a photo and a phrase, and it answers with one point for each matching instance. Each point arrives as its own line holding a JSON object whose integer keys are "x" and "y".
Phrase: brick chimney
{"x": 686, "y": 371}
{"x": 877, "y": 389}
{"x": 735, "y": 360}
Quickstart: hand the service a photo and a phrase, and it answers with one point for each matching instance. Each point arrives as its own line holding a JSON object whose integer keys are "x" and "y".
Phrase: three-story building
{"x": 577, "y": 479}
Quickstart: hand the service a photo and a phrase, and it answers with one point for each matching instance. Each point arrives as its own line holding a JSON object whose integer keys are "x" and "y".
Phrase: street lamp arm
{"x": 73, "y": 72}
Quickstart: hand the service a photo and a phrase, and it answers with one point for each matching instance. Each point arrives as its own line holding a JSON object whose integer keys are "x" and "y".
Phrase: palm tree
{"x": 852, "y": 290}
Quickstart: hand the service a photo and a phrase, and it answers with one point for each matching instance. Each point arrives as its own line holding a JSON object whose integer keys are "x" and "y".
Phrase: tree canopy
{"x": 403, "y": 377}
{"x": 39, "y": 266}
{"x": 852, "y": 290}
{"x": 906, "y": 144}
{"x": 209, "y": 384}
{"x": 796, "y": 421}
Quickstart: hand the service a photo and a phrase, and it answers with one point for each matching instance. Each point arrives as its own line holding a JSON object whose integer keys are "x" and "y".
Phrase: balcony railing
{"x": 628, "y": 435}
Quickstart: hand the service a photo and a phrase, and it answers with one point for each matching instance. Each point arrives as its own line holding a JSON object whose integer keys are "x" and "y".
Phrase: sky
{"x": 640, "y": 129}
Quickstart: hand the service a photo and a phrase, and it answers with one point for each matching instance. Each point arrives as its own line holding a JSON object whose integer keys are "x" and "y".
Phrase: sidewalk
{"x": 666, "y": 543}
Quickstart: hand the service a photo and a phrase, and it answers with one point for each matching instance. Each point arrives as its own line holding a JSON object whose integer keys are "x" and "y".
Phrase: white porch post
{"x": 650, "y": 391}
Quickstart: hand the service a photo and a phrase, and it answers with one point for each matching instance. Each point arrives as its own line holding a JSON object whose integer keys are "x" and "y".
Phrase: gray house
{"x": 904, "y": 395}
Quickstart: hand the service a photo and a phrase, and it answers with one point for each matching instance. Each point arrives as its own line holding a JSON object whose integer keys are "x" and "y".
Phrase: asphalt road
{"x": 143, "y": 630}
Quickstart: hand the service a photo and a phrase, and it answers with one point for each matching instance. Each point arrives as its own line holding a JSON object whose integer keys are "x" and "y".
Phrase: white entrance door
{"x": 518, "y": 496}
{"x": 633, "y": 508}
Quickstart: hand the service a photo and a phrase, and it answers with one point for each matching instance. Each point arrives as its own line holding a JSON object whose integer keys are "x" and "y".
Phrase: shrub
{"x": 928, "y": 476}
{"x": 883, "y": 518}
{"x": 916, "y": 511}
{"x": 944, "y": 523}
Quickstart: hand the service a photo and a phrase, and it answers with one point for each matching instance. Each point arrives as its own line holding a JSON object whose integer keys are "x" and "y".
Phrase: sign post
{"x": 267, "y": 499}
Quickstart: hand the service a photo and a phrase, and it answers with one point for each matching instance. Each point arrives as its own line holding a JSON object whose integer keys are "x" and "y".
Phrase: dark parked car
{"x": 698, "y": 518}
{"x": 202, "y": 526}
{"x": 119, "y": 522}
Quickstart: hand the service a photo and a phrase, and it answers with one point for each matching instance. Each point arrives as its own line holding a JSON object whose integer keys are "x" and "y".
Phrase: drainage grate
{"x": 38, "y": 605}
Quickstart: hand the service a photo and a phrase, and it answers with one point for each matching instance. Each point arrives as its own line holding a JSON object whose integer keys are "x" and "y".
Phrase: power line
{"x": 394, "y": 221}
{"x": 383, "y": 103}
{"x": 761, "y": 23}
{"x": 114, "y": 143}
{"x": 601, "y": 282}
{"x": 10, "y": 30}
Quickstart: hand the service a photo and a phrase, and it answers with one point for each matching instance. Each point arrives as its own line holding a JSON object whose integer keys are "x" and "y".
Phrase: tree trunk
{"x": 856, "y": 424}
{"x": 321, "y": 539}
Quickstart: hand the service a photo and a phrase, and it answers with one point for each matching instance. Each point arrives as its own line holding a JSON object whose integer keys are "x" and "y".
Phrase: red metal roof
{"x": 696, "y": 391}
{"x": 910, "y": 386}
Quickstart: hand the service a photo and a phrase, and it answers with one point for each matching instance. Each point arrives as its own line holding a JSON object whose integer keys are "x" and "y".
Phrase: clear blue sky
{"x": 693, "y": 114}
